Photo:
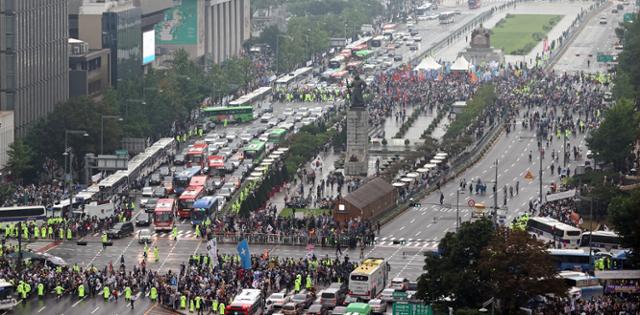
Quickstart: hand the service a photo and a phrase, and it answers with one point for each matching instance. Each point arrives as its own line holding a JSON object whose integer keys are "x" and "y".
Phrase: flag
{"x": 245, "y": 255}
{"x": 212, "y": 248}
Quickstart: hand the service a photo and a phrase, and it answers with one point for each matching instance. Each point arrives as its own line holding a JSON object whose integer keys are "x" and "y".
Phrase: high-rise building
{"x": 33, "y": 59}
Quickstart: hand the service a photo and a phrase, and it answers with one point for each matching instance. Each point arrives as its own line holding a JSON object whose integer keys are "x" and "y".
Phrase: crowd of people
{"x": 620, "y": 304}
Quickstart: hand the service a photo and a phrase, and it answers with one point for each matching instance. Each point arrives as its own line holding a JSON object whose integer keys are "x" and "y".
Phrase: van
{"x": 292, "y": 308}
{"x": 401, "y": 284}
{"x": 332, "y": 297}
{"x": 120, "y": 230}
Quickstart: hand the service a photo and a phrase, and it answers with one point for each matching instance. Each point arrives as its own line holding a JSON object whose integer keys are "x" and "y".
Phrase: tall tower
{"x": 34, "y": 61}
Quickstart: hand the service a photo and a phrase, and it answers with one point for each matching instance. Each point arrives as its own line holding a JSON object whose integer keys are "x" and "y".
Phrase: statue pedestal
{"x": 357, "y": 156}
{"x": 478, "y": 56}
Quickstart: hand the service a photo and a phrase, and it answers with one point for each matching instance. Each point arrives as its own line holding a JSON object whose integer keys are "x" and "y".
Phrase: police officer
{"x": 105, "y": 240}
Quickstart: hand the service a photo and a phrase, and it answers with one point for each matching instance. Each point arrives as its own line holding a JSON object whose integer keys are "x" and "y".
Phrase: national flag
{"x": 245, "y": 255}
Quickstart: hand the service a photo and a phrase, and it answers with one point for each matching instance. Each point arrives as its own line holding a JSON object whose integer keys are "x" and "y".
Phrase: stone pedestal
{"x": 478, "y": 56}
{"x": 357, "y": 156}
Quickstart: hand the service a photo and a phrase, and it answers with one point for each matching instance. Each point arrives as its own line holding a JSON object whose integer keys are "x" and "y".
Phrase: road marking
{"x": 418, "y": 233}
{"x": 74, "y": 304}
{"x": 513, "y": 164}
{"x": 95, "y": 310}
{"x": 484, "y": 172}
{"x": 414, "y": 220}
{"x": 40, "y": 310}
{"x": 401, "y": 228}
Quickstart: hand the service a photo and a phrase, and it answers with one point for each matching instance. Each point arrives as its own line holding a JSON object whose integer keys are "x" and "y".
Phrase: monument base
{"x": 478, "y": 56}
{"x": 357, "y": 156}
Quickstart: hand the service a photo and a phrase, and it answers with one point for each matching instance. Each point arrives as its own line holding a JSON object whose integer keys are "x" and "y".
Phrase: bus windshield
{"x": 162, "y": 217}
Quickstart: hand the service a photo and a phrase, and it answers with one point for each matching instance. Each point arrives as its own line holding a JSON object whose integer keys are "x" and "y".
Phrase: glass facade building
{"x": 121, "y": 34}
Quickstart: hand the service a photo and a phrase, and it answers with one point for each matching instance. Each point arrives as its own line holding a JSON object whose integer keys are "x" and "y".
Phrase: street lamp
{"x": 102, "y": 118}
{"x": 67, "y": 159}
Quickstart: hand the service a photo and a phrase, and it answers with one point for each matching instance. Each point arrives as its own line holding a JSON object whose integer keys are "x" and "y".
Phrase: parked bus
{"x": 474, "y": 4}
{"x": 295, "y": 77}
{"x": 203, "y": 208}
{"x": 255, "y": 98}
{"x": 553, "y": 231}
{"x": 277, "y": 136}
{"x": 248, "y": 302}
{"x": 187, "y": 199}
{"x": 369, "y": 279}
{"x": 336, "y": 62}
{"x": 581, "y": 285}
{"x": 230, "y": 114}
{"x": 424, "y": 9}
{"x": 181, "y": 180}
{"x": 255, "y": 150}
{"x": 571, "y": 259}
{"x": 7, "y": 295}
{"x": 606, "y": 240}
{"x": 164, "y": 214}
{"x": 446, "y": 17}
{"x": 197, "y": 155}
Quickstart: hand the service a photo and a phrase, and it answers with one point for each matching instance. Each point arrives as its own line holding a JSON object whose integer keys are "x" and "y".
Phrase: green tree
{"x": 613, "y": 140}
{"x": 624, "y": 213}
{"x": 20, "y": 160}
{"x": 454, "y": 272}
{"x": 518, "y": 268}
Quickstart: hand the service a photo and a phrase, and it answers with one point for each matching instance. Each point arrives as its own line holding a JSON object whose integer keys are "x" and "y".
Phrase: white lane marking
{"x": 95, "y": 310}
{"x": 40, "y": 310}
{"x": 413, "y": 220}
{"x": 74, "y": 304}
{"x": 401, "y": 228}
{"x": 418, "y": 233}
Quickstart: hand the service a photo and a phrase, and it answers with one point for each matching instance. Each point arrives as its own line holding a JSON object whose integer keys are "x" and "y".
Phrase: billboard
{"x": 148, "y": 46}
{"x": 180, "y": 24}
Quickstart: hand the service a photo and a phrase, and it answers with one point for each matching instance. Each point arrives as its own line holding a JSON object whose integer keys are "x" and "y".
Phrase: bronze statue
{"x": 481, "y": 38}
{"x": 356, "y": 91}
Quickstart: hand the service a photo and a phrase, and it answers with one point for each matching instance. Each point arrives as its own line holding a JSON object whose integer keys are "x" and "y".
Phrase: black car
{"x": 155, "y": 179}
{"x": 144, "y": 219}
{"x": 150, "y": 205}
{"x": 179, "y": 159}
{"x": 121, "y": 229}
{"x": 160, "y": 192}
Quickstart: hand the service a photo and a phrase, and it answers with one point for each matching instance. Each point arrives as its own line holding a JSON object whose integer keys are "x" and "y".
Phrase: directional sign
{"x": 629, "y": 17}
{"x": 528, "y": 176}
{"x": 471, "y": 202}
{"x": 400, "y": 308}
{"x": 423, "y": 310}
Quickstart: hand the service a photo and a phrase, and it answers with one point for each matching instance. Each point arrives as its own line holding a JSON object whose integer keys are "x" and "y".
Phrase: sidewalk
{"x": 570, "y": 9}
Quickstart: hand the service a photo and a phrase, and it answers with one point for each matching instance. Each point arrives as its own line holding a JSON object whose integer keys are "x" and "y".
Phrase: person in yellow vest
{"x": 197, "y": 230}
{"x": 198, "y": 301}
{"x": 36, "y": 232}
{"x": 81, "y": 291}
{"x": 40, "y": 290}
{"x": 69, "y": 234}
{"x": 192, "y": 306}
{"x": 20, "y": 289}
{"x": 214, "y": 305}
{"x": 25, "y": 233}
{"x": 127, "y": 293}
{"x": 183, "y": 302}
{"x": 153, "y": 294}
{"x": 59, "y": 290}
{"x": 156, "y": 254}
{"x": 61, "y": 233}
{"x": 106, "y": 293}
{"x": 43, "y": 231}
{"x": 221, "y": 308}
{"x": 174, "y": 233}
{"x": 105, "y": 240}
{"x": 309, "y": 282}
{"x": 27, "y": 288}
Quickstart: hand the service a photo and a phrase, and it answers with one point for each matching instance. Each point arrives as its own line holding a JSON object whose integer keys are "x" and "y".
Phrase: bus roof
{"x": 287, "y": 78}
{"x": 191, "y": 171}
{"x": 254, "y": 145}
{"x": 165, "y": 204}
{"x": 251, "y": 97}
{"x": 278, "y": 131}
{"x": 572, "y": 252}
{"x": 204, "y": 202}
{"x": 247, "y": 296}
{"x": 191, "y": 192}
{"x": 601, "y": 233}
{"x": 224, "y": 108}
{"x": 199, "y": 180}
{"x": 368, "y": 266}
{"x": 555, "y": 223}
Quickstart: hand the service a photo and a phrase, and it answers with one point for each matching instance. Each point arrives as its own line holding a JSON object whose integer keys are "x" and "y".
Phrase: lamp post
{"x": 102, "y": 118}
{"x": 67, "y": 160}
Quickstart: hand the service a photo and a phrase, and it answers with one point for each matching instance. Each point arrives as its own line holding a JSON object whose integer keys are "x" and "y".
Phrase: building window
{"x": 95, "y": 86}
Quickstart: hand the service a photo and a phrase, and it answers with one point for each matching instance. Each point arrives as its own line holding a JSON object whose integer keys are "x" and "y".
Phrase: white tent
{"x": 461, "y": 64}
{"x": 428, "y": 64}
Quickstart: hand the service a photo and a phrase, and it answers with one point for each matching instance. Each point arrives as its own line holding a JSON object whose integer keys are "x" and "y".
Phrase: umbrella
{"x": 256, "y": 174}
{"x": 260, "y": 169}
{"x": 422, "y": 170}
{"x": 434, "y": 161}
{"x": 439, "y": 157}
{"x": 268, "y": 161}
{"x": 442, "y": 154}
{"x": 429, "y": 165}
{"x": 283, "y": 150}
{"x": 412, "y": 175}
{"x": 398, "y": 184}
{"x": 406, "y": 179}
{"x": 265, "y": 163}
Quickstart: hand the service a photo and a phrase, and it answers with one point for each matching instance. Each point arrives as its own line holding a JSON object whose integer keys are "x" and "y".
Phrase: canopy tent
{"x": 265, "y": 163}
{"x": 399, "y": 184}
{"x": 461, "y": 64}
{"x": 253, "y": 178}
{"x": 561, "y": 195}
{"x": 406, "y": 180}
{"x": 442, "y": 154}
{"x": 422, "y": 170}
{"x": 434, "y": 161}
{"x": 428, "y": 63}
{"x": 439, "y": 157}
{"x": 260, "y": 169}
{"x": 412, "y": 175}
{"x": 256, "y": 174}
{"x": 429, "y": 165}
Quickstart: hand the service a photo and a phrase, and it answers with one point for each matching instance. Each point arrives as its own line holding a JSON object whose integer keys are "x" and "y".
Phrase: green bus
{"x": 255, "y": 150}
{"x": 278, "y": 135}
{"x": 229, "y": 113}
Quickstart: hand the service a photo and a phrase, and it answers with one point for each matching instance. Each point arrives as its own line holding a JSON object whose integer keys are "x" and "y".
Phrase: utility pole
{"x": 495, "y": 198}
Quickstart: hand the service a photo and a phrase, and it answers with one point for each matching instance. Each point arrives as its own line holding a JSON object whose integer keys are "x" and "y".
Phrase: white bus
{"x": 248, "y": 302}
{"x": 369, "y": 279}
{"x": 607, "y": 240}
{"x": 446, "y": 17}
{"x": 554, "y": 231}
{"x": 7, "y": 295}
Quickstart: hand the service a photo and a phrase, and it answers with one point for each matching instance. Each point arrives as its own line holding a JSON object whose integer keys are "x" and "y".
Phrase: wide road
{"x": 598, "y": 36}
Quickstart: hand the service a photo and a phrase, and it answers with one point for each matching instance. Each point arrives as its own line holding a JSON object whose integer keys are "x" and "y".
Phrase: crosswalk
{"x": 406, "y": 242}
{"x": 182, "y": 234}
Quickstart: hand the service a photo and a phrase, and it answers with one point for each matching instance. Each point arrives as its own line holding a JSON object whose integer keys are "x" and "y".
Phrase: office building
{"x": 89, "y": 70}
{"x": 33, "y": 59}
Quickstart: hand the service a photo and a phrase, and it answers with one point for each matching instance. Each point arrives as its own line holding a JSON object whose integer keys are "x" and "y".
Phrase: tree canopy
{"x": 624, "y": 213}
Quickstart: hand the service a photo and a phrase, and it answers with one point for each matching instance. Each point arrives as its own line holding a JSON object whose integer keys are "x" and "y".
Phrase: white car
{"x": 144, "y": 236}
{"x": 603, "y": 20}
{"x": 147, "y": 191}
{"x": 387, "y": 295}
{"x": 378, "y": 306}
{"x": 409, "y": 42}
{"x": 417, "y": 38}
{"x": 276, "y": 300}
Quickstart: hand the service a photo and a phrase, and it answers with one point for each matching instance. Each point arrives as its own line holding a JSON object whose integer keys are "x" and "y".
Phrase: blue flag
{"x": 245, "y": 255}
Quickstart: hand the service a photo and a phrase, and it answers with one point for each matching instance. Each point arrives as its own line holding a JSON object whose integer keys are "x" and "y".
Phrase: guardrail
{"x": 279, "y": 239}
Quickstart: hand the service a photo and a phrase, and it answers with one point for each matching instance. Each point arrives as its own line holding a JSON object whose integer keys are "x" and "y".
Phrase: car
{"x": 277, "y": 300}
{"x": 150, "y": 205}
{"x": 246, "y": 137}
{"x": 147, "y": 191}
{"x": 221, "y": 143}
{"x": 377, "y": 306}
{"x": 332, "y": 297}
{"x": 409, "y": 42}
{"x": 160, "y": 192}
{"x": 155, "y": 179}
{"x": 230, "y": 137}
{"x": 413, "y": 47}
{"x": 417, "y": 38}
{"x": 292, "y": 308}
{"x": 288, "y": 112}
{"x": 225, "y": 193}
{"x": 303, "y": 298}
{"x": 226, "y": 152}
{"x": 231, "y": 185}
{"x": 144, "y": 219}
{"x": 400, "y": 284}
{"x": 317, "y": 309}
{"x": 387, "y": 295}
{"x": 413, "y": 286}
{"x": 423, "y": 17}
{"x": 179, "y": 159}
{"x": 144, "y": 236}
{"x": 397, "y": 58}
{"x": 164, "y": 171}
{"x": 414, "y": 32}
{"x": 614, "y": 11}
{"x": 218, "y": 181}
{"x": 603, "y": 20}
{"x": 265, "y": 118}
{"x": 339, "y": 310}
{"x": 272, "y": 123}
{"x": 168, "y": 184}
{"x": 121, "y": 229}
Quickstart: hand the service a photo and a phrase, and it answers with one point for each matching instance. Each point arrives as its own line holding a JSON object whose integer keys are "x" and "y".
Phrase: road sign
{"x": 402, "y": 308}
{"x": 528, "y": 176}
{"x": 423, "y": 310}
{"x": 600, "y": 57}
{"x": 399, "y": 295}
{"x": 471, "y": 202}
{"x": 629, "y": 17}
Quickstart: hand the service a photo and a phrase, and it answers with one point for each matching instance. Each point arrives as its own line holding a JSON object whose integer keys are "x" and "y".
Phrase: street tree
{"x": 517, "y": 268}
{"x": 613, "y": 140}
{"x": 452, "y": 276}
{"x": 624, "y": 213}
{"x": 20, "y": 160}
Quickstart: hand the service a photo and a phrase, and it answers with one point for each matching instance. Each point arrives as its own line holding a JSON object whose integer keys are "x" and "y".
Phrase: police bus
{"x": 606, "y": 240}
{"x": 248, "y": 302}
{"x": 553, "y": 231}
{"x": 369, "y": 279}
{"x": 7, "y": 295}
